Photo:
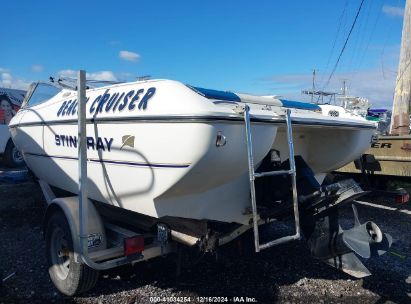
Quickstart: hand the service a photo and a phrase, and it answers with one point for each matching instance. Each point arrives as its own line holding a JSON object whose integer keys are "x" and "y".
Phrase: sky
{"x": 256, "y": 47}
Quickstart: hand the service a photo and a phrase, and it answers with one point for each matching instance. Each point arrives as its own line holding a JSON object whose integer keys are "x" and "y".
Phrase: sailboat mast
{"x": 400, "y": 122}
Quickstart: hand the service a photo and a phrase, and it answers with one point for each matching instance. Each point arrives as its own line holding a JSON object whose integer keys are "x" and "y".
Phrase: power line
{"x": 337, "y": 35}
{"x": 344, "y": 46}
{"x": 356, "y": 39}
{"x": 372, "y": 35}
{"x": 361, "y": 31}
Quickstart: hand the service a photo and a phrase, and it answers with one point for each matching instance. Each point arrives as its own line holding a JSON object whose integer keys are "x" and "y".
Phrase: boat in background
{"x": 344, "y": 106}
{"x": 351, "y": 107}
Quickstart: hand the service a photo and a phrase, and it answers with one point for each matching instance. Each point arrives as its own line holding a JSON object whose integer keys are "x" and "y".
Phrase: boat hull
{"x": 156, "y": 169}
{"x": 325, "y": 148}
{"x": 161, "y": 148}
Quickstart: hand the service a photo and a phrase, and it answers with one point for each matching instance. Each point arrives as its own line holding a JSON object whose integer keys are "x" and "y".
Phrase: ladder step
{"x": 284, "y": 239}
{"x": 271, "y": 173}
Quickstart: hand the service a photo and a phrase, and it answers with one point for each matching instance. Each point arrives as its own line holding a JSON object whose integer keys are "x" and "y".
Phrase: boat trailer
{"x": 80, "y": 239}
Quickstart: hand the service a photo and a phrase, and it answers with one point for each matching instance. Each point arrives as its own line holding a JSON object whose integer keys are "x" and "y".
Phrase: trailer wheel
{"x": 68, "y": 276}
{"x": 12, "y": 156}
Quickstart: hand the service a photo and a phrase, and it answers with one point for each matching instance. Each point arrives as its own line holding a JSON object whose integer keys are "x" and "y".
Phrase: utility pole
{"x": 313, "y": 90}
{"x": 344, "y": 88}
{"x": 344, "y": 93}
{"x": 400, "y": 121}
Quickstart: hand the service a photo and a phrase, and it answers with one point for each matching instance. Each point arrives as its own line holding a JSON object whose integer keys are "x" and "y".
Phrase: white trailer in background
{"x": 10, "y": 102}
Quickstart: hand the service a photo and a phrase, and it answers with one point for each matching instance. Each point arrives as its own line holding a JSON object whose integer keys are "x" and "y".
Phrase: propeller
{"x": 366, "y": 239}
{"x": 338, "y": 247}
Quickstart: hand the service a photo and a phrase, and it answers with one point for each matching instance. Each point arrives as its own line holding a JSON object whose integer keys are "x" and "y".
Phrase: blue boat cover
{"x": 230, "y": 96}
{"x": 377, "y": 111}
{"x": 299, "y": 105}
{"x": 220, "y": 95}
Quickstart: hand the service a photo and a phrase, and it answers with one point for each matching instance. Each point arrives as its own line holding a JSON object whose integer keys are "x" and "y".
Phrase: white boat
{"x": 340, "y": 111}
{"x": 161, "y": 152}
{"x": 347, "y": 107}
{"x": 152, "y": 145}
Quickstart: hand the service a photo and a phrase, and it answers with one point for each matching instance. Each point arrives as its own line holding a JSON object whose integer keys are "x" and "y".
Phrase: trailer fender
{"x": 70, "y": 207}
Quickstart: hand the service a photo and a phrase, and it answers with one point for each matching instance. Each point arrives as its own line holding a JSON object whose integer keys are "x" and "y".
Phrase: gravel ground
{"x": 285, "y": 274}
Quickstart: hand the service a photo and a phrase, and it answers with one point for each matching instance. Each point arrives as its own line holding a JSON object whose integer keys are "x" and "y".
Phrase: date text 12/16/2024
{"x": 202, "y": 299}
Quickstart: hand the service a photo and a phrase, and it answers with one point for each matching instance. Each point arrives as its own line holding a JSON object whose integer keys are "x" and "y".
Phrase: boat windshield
{"x": 40, "y": 92}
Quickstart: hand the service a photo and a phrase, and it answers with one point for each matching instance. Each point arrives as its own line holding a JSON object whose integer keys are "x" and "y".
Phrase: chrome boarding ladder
{"x": 253, "y": 175}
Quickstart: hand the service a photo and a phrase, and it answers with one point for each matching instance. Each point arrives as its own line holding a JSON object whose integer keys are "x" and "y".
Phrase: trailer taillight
{"x": 402, "y": 198}
{"x": 133, "y": 245}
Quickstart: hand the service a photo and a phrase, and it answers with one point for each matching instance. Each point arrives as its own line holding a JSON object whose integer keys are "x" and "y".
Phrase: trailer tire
{"x": 69, "y": 277}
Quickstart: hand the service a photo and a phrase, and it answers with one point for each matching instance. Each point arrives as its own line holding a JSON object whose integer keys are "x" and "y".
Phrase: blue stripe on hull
{"x": 114, "y": 161}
